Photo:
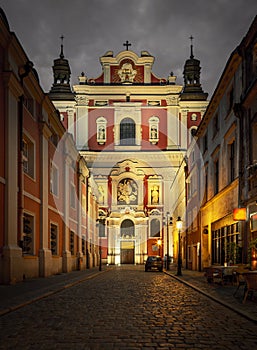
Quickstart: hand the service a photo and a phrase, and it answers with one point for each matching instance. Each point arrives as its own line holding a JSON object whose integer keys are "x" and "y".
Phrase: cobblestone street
{"x": 126, "y": 308}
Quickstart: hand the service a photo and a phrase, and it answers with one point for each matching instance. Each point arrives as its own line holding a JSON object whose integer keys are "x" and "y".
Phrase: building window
{"x": 101, "y": 228}
{"x": 83, "y": 244}
{"x": 218, "y": 244}
{"x": 72, "y": 250}
{"x": 101, "y": 130}
{"x": 226, "y": 245}
{"x": 28, "y": 156}
{"x": 83, "y": 204}
{"x": 231, "y": 148}
{"x": 155, "y": 228}
{"x": 54, "y": 180}
{"x": 72, "y": 196}
{"x": 253, "y": 144}
{"x": 215, "y": 124}
{"x": 154, "y": 130}
{"x": 216, "y": 176}
{"x": 230, "y": 100}
{"x": 127, "y": 132}
{"x": 205, "y": 198}
{"x": 28, "y": 234}
{"x": 127, "y": 229}
{"x": 53, "y": 239}
{"x": 29, "y": 102}
{"x": 205, "y": 142}
{"x": 54, "y": 138}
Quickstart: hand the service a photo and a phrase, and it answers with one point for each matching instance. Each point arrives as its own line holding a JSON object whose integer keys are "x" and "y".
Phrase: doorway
{"x": 127, "y": 252}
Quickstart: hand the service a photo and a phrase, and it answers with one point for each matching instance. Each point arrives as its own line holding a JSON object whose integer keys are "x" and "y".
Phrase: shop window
{"x": 53, "y": 239}
{"x": 28, "y": 234}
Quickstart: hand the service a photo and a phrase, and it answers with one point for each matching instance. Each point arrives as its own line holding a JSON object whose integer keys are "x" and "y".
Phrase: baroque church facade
{"x": 133, "y": 130}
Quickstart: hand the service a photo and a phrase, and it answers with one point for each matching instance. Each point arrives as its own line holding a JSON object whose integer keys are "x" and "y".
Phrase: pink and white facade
{"x": 133, "y": 128}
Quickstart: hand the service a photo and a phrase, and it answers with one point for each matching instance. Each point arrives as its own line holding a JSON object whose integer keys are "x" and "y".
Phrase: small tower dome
{"x": 192, "y": 87}
{"x": 61, "y": 89}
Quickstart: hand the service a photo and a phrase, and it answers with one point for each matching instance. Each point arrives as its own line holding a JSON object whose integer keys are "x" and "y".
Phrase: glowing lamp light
{"x": 179, "y": 223}
{"x": 239, "y": 214}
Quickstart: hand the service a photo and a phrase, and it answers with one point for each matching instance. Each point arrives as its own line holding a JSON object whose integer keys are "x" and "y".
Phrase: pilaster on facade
{"x": 45, "y": 254}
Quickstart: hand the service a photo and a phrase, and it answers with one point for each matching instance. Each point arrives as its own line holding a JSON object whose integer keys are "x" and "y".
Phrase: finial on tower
{"x": 191, "y": 47}
{"x": 61, "y": 54}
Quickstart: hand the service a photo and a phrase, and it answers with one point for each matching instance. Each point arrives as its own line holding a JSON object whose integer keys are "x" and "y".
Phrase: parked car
{"x": 154, "y": 262}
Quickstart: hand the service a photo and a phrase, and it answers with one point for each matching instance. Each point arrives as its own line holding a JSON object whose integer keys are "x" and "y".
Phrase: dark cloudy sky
{"x": 162, "y": 27}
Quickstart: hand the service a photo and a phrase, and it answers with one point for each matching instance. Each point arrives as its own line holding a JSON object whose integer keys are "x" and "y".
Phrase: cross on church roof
{"x": 127, "y": 44}
{"x": 191, "y": 38}
{"x": 61, "y": 54}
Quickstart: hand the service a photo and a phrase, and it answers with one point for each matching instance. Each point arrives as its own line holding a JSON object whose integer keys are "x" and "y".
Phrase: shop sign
{"x": 239, "y": 214}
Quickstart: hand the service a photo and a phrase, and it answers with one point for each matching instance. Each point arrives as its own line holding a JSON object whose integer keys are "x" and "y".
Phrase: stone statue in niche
{"x": 101, "y": 194}
{"x": 155, "y": 195}
{"x": 154, "y": 134}
{"x": 101, "y": 133}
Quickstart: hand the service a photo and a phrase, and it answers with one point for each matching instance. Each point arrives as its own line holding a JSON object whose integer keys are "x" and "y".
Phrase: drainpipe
{"x": 239, "y": 113}
{"x": 24, "y": 72}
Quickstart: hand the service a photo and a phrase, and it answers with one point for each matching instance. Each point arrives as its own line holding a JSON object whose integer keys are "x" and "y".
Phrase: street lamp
{"x": 179, "y": 227}
{"x": 98, "y": 223}
{"x": 167, "y": 223}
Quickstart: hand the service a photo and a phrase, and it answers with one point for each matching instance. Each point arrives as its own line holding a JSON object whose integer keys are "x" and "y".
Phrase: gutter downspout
{"x": 23, "y": 73}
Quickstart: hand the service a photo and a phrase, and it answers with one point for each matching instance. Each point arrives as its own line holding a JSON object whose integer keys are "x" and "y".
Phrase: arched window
{"x": 155, "y": 228}
{"x": 127, "y": 132}
{"x": 127, "y": 229}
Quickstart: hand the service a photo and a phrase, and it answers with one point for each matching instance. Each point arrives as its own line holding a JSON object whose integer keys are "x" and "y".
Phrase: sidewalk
{"x": 16, "y": 296}
{"x": 13, "y": 297}
{"x": 221, "y": 294}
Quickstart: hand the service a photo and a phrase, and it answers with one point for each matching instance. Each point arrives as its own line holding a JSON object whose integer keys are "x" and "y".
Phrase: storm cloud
{"x": 162, "y": 27}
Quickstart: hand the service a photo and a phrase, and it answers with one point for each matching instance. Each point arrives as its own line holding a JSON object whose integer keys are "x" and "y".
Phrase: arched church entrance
{"x": 127, "y": 243}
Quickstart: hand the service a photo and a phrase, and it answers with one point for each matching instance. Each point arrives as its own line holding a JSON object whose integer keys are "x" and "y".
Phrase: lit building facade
{"x": 132, "y": 128}
{"x": 44, "y": 228}
{"x": 221, "y": 177}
